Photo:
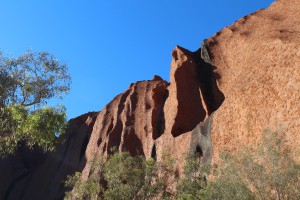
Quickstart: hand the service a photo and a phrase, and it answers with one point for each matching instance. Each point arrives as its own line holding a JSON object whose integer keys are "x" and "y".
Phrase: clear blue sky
{"x": 109, "y": 44}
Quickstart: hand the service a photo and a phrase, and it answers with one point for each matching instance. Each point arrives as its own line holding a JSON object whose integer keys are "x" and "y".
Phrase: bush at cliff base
{"x": 268, "y": 172}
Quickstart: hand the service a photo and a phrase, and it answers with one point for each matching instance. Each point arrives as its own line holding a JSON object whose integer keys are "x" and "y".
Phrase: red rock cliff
{"x": 243, "y": 79}
{"x": 258, "y": 59}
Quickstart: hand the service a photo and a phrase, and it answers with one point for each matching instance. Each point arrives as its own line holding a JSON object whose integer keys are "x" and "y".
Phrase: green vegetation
{"x": 194, "y": 182}
{"x": 123, "y": 177}
{"x": 27, "y": 83}
{"x": 268, "y": 172}
{"x": 89, "y": 189}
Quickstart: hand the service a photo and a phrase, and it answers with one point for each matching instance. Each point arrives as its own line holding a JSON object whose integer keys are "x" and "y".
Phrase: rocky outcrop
{"x": 183, "y": 108}
{"x": 193, "y": 90}
{"x": 130, "y": 122}
{"x": 146, "y": 119}
{"x": 243, "y": 79}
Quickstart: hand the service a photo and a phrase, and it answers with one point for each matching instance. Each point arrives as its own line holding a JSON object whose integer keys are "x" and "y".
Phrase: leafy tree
{"x": 124, "y": 175}
{"x": 130, "y": 177}
{"x": 228, "y": 189}
{"x": 167, "y": 175}
{"x": 26, "y": 84}
{"x": 32, "y": 79}
{"x": 270, "y": 170}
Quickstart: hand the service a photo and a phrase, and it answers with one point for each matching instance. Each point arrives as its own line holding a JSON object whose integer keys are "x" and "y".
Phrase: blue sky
{"x": 110, "y": 44}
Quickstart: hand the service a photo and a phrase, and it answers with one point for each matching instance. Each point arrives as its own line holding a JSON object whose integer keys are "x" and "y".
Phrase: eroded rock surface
{"x": 193, "y": 90}
{"x": 130, "y": 122}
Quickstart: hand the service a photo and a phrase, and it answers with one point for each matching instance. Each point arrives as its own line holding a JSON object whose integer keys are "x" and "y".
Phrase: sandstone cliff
{"x": 243, "y": 79}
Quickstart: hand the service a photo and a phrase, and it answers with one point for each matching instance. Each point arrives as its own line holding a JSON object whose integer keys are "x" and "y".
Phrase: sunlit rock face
{"x": 130, "y": 122}
{"x": 155, "y": 117}
{"x": 241, "y": 80}
{"x": 258, "y": 60}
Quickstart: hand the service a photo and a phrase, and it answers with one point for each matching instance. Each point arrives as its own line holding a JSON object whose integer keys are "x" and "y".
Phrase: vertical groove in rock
{"x": 114, "y": 137}
{"x": 183, "y": 109}
{"x": 129, "y": 140}
{"x": 211, "y": 98}
{"x": 159, "y": 97}
{"x": 208, "y": 77}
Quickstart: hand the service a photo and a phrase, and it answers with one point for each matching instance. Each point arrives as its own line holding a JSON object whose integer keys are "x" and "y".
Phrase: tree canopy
{"x": 27, "y": 83}
{"x": 32, "y": 79}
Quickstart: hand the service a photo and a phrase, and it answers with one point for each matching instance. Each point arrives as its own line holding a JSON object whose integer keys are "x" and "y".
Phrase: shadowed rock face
{"x": 36, "y": 175}
{"x": 193, "y": 91}
{"x": 254, "y": 63}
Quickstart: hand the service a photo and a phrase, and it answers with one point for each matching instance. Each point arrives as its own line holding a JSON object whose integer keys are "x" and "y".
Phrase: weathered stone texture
{"x": 258, "y": 59}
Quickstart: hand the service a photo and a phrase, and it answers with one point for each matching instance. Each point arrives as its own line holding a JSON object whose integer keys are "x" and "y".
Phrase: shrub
{"x": 121, "y": 177}
{"x": 268, "y": 172}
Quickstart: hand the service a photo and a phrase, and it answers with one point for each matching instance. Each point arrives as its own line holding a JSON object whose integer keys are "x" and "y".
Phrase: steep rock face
{"x": 183, "y": 108}
{"x": 144, "y": 119}
{"x": 130, "y": 122}
{"x": 194, "y": 93}
{"x": 36, "y": 175}
{"x": 258, "y": 59}
{"x": 194, "y": 96}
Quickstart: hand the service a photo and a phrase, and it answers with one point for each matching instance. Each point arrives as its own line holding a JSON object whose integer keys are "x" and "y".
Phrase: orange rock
{"x": 183, "y": 109}
{"x": 243, "y": 79}
{"x": 258, "y": 59}
{"x": 130, "y": 122}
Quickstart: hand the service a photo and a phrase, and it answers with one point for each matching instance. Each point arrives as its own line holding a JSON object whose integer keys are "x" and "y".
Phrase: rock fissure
{"x": 194, "y": 88}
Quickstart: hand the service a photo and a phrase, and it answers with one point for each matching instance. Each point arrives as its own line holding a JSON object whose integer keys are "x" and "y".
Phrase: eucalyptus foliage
{"x": 27, "y": 83}
{"x": 32, "y": 79}
{"x": 40, "y": 127}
